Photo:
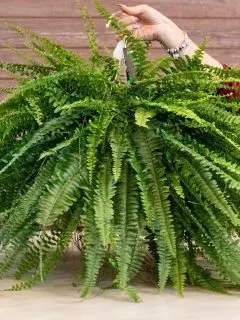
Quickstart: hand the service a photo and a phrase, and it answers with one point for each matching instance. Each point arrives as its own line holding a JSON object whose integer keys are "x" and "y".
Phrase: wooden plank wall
{"x": 60, "y": 20}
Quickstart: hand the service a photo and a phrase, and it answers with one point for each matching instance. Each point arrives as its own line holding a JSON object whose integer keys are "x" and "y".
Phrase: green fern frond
{"x": 132, "y": 293}
{"x": 178, "y": 270}
{"x": 52, "y": 49}
{"x": 71, "y": 222}
{"x": 7, "y": 90}
{"x": 147, "y": 167}
{"x": 202, "y": 277}
{"x": 203, "y": 182}
{"x": 138, "y": 254}
{"x": 94, "y": 251}
{"x": 220, "y": 160}
{"x": 50, "y": 126}
{"x": 142, "y": 116}
{"x": 87, "y": 103}
{"x": 90, "y": 29}
{"x": 28, "y": 70}
{"x": 98, "y": 129}
{"x": 218, "y": 245}
{"x": 137, "y": 48}
{"x": 148, "y": 148}
{"x": 31, "y": 257}
{"x": 223, "y": 119}
{"x": 58, "y": 243}
{"x": 103, "y": 201}
{"x": 129, "y": 253}
{"x": 16, "y": 248}
{"x": 145, "y": 194}
{"x": 118, "y": 143}
{"x": 189, "y": 114}
{"x": 189, "y": 149}
{"x": 62, "y": 190}
{"x": 174, "y": 182}
{"x": 62, "y": 145}
{"x": 25, "y": 285}
{"x": 199, "y": 53}
{"x": 24, "y": 207}
{"x": 94, "y": 259}
{"x": 24, "y": 56}
{"x": 35, "y": 109}
{"x": 11, "y": 120}
{"x": 164, "y": 261}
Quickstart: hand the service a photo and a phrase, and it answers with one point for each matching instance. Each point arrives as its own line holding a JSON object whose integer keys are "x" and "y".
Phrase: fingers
{"x": 135, "y": 29}
{"x": 128, "y": 20}
{"x": 145, "y": 13}
{"x": 124, "y": 18}
{"x": 129, "y": 17}
{"x": 119, "y": 14}
{"x": 134, "y": 11}
{"x": 131, "y": 11}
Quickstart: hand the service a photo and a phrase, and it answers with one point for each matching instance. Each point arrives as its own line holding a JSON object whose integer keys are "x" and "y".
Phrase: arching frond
{"x": 148, "y": 149}
{"x": 62, "y": 189}
{"x": 118, "y": 143}
{"x": 98, "y": 130}
{"x": 51, "y": 126}
{"x": 129, "y": 253}
{"x": 103, "y": 202}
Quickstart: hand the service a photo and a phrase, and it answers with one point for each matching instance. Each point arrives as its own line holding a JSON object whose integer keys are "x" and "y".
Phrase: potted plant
{"x": 148, "y": 165}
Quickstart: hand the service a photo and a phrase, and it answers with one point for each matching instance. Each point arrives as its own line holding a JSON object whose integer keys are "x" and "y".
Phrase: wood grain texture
{"x": 228, "y": 56}
{"x": 171, "y": 8}
{"x": 60, "y": 21}
{"x": 70, "y": 31}
{"x": 7, "y": 83}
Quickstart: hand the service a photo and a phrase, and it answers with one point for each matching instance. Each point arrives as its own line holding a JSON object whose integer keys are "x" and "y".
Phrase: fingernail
{"x": 121, "y": 5}
{"x": 136, "y": 26}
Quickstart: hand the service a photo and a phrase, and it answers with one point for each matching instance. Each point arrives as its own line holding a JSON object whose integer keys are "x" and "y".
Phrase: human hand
{"x": 149, "y": 24}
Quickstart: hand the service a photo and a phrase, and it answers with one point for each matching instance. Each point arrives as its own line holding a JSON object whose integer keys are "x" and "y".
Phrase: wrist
{"x": 170, "y": 36}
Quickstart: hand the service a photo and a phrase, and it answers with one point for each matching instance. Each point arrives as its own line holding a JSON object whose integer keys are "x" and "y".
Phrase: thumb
{"x": 133, "y": 11}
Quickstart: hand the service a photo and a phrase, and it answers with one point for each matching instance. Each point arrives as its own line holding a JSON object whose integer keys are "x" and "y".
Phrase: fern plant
{"x": 147, "y": 166}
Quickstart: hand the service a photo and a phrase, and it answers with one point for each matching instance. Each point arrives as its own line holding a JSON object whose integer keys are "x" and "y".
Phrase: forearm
{"x": 207, "y": 59}
{"x": 149, "y": 24}
{"x": 173, "y": 37}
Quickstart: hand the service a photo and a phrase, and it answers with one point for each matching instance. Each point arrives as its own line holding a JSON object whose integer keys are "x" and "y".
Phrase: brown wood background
{"x": 60, "y": 20}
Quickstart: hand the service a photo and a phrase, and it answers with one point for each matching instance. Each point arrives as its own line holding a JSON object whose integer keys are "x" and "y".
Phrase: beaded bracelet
{"x": 175, "y": 52}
